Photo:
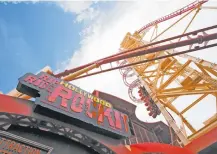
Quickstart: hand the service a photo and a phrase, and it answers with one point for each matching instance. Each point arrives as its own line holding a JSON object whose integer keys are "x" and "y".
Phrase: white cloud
{"x": 75, "y": 6}
{"x": 104, "y": 34}
{"x": 88, "y": 14}
{"x": 83, "y": 9}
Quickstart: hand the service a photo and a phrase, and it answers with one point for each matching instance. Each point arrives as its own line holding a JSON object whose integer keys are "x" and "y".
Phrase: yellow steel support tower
{"x": 172, "y": 78}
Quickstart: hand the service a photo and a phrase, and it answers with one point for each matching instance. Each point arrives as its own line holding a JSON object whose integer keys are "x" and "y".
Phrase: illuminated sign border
{"x": 25, "y": 141}
{"x": 60, "y": 97}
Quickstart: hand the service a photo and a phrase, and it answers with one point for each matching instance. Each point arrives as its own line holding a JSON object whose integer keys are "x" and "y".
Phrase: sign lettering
{"x": 69, "y": 100}
{"x": 10, "y": 144}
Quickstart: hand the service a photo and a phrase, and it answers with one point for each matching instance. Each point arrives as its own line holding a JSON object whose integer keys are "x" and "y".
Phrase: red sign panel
{"x": 69, "y": 100}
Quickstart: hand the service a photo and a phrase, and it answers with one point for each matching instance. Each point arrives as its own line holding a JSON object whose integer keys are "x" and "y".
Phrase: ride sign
{"x": 66, "y": 99}
{"x": 12, "y": 144}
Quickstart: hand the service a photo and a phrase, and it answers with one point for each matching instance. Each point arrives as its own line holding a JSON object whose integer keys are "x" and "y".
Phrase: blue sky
{"x": 33, "y": 36}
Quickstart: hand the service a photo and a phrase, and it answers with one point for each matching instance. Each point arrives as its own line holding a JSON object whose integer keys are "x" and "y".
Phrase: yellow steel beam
{"x": 152, "y": 33}
{"x": 171, "y": 100}
{"x": 150, "y": 71}
{"x": 161, "y": 73}
{"x": 203, "y": 130}
{"x": 145, "y": 67}
{"x": 173, "y": 77}
{"x": 156, "y": 30}
{"x": 194, "y": 103}
{"x": 145, "y": 78}
{"x": 204, "y": 72}
{"x": 211, "y": 71}
{"x": 202, "y": 69}
{"x": 197, "y": 60}
{"x": 183, "y": 126}
{"x": 209, "y": 7}
{"x": 162, "y": 80}
{"x": 172, "y": 108}
{"x": 150, "y": 76}
{"x": 206, "y": 78}
{"x": 190, "y": 92}
{"x": 197, "y": 11}
{"x": 210, "y": 120}
{"x": 172, "y": 25}
{"x": 216, "y": 102}
{"x": 203, "y": 85}
{"x": 170, "y": 64}
{"x": 80, "y": 72}
{"x": 188, "y": 125}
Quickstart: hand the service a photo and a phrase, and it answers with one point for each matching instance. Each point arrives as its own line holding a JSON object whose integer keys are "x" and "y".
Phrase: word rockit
{"x": 53, "y": 93}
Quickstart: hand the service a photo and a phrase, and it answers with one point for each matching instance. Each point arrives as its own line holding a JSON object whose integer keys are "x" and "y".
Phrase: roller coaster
{"x": 162, "y": 73}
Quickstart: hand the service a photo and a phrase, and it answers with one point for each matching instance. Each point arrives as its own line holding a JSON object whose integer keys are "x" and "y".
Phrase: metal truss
{"x": 7, "y": 119}
{"x": 166, "y": 78}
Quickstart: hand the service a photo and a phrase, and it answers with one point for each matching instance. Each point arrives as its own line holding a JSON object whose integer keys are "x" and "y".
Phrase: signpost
{"x": 76, "y": 105}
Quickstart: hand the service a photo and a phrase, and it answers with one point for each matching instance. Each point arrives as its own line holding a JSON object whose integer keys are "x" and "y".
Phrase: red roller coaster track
{"x": 189, "y": 39}
{"x": 187, "y": 8}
